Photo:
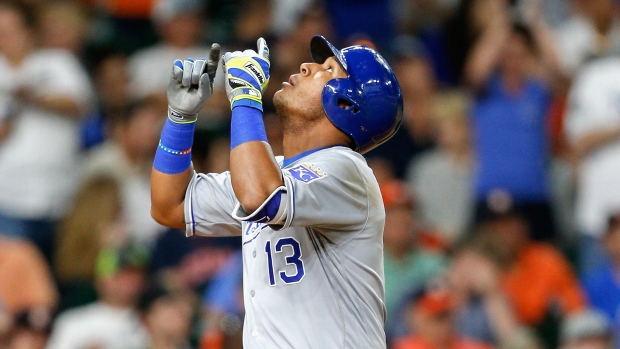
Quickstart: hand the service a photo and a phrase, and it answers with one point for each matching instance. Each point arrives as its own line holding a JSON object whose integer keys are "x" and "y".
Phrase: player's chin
{"x": 281, "y": 100}
{"x": 281, "y": 93}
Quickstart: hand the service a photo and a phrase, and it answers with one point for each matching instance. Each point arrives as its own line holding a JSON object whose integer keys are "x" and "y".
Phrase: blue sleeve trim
{"x": 268, "y": 211}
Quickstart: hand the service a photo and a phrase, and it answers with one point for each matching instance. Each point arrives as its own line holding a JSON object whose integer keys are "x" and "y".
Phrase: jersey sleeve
{"x": 209, "y": 203}
{"x": 330, "y": 191}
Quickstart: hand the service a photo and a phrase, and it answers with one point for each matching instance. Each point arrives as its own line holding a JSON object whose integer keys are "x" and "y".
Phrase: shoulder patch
{"x": 307, "y": 172}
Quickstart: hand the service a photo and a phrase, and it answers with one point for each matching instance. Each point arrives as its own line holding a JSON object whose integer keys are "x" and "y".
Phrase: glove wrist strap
{"x": 246, "y": 96}
{"x": 181, "y": 118}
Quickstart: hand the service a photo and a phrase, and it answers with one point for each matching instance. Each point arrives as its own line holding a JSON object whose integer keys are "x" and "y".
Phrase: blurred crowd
{"x": 501, "y": 188}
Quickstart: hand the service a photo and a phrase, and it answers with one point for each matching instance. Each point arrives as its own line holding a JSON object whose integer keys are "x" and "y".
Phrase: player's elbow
{"x": 168, "y": 217}
{"x": 252, "y": 202}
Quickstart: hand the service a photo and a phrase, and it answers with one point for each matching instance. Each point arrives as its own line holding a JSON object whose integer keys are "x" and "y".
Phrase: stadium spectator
{"x": 593, "y": 127}
{"x": 602, "y": 285}
{"x": 167, "y": 316}
{"x": 511, "y": 68}
{"x": 127, "y": 156}
{"x": 63, "y": 25}
{"x": 431, "y": 320}
{"x": 442, "y": 177}
{"x": 112, "y": 91}
{"x": 180, "y": 26}
{"x": 408, "y": 264}
{"x": 112, "y": 322}
{"x": 552, "y": 290}
{"x": 419, "y": 88}
{"x": 483, "y": 311}
{"x": 96, "y": 217}
{"x": 591, "y": 32}
{"x": 39, "y": 150}
{"x": 589, "y": 329}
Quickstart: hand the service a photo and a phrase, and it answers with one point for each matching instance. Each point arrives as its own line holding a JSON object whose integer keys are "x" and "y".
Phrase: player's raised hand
{"x": 247, "y": 75}
{"x": 191, "y": 85}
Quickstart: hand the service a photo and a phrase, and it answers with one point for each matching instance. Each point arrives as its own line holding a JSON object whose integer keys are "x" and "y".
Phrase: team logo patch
{"x": 307, "y": 173}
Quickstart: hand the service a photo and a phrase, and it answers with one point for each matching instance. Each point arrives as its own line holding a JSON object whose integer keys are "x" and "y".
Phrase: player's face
{"x": 301, "y": 94}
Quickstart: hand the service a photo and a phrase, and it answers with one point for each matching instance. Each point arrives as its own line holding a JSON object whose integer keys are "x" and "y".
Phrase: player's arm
{"x": 256, "y": 177}
{"x": 189, "y": 88}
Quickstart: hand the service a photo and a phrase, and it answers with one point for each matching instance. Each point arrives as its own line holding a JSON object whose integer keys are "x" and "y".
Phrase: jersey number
{"x": 294, "y": 259}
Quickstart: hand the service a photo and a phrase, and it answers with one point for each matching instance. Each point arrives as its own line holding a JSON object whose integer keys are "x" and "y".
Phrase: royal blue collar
{"x": 291, "y": 160}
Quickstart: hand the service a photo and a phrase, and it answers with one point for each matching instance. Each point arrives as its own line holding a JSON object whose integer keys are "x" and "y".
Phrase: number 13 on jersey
{"x": 287, "y": 245}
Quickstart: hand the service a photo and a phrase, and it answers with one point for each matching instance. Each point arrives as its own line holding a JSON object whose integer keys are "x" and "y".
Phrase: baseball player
{"x": 311, "y": 222}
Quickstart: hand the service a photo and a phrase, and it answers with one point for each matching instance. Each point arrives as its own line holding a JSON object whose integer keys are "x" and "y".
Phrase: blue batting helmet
{"x": 368, "y": 104}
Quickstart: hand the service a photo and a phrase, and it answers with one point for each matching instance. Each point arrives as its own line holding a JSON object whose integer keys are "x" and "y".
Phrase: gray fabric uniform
{"x": 312, "y": 276}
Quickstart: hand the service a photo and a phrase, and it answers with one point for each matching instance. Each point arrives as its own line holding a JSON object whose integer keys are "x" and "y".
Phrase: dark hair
{"x": 26, "y": 11}
{"x": 613, "y": 221}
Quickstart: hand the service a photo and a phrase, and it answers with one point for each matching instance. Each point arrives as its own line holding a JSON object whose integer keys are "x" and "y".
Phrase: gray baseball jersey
{"x": 313, "y": 275}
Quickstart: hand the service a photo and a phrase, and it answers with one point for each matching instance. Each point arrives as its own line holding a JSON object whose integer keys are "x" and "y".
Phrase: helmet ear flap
{"x": 340, "y": 106}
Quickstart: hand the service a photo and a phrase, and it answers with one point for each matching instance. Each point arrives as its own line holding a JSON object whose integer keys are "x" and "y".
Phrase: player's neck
{"x": 320, "y": 135}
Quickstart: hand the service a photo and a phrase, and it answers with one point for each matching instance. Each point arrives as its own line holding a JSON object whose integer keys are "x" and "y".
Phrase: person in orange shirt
{"x": 535, "y": 276}
{"x": 431, "y": 321}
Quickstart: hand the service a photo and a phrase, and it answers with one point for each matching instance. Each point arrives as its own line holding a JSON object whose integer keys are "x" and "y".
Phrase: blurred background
{"x": 501, "y": 188}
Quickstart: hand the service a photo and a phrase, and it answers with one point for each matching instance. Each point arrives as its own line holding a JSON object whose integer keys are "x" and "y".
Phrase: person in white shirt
{"x": 592, "y": 31}
{"x": 127, "y": 156}
{"x": 180, "y": 26}
{"x": 593, "y": 127}
{"x": 112, "y": 322}
{"x": 43, "y": 93}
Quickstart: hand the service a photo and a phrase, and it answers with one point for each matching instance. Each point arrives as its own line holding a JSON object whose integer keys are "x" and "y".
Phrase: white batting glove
{"x": 191, "y": 85}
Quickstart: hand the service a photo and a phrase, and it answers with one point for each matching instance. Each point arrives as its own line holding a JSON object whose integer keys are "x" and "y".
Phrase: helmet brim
{"x": 321, "y": 49}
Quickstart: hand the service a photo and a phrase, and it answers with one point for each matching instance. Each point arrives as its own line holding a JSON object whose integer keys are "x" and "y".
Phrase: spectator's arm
{"x": 57, "y": 104}
{"x": 486, "y": 52}
{"x": 594, "y": 140}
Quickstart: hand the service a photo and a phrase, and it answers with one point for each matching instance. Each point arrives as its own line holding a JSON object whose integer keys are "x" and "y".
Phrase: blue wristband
{"x": 246, "y": 126}
{"x": 174, "y": 153}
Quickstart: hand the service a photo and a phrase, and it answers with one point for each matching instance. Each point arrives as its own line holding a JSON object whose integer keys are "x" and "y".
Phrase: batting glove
{"x": 191, "y": 85}
{"x": 247, "y": 73}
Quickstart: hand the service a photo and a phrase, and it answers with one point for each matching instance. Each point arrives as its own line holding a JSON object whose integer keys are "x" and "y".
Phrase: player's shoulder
{"x": 337, "y": 162}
